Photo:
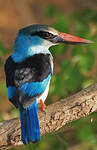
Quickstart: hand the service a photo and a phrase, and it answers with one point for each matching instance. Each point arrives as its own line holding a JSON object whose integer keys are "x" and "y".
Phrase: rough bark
{"x": 56, "y": 115}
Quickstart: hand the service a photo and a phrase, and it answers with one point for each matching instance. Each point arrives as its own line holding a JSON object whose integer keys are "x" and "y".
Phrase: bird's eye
{"x": 47, "y": 35}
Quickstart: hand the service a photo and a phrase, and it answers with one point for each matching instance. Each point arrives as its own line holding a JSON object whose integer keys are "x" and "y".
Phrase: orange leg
{"x": 43, "y": 105}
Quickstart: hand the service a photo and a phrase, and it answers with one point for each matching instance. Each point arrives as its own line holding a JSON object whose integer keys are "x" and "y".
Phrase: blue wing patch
{"x": 12, "y": 95}
{"x": 11, "y": 90}
{"x": 35, "y": 88}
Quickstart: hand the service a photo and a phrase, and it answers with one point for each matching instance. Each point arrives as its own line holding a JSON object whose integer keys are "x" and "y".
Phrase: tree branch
{"x": 56, "y": 115}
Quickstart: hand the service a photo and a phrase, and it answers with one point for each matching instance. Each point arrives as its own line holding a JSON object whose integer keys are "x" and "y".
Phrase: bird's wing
{"x": 29, "y": 92}
{"x": 32, "y": 77}
{"x": 9, "y": 73}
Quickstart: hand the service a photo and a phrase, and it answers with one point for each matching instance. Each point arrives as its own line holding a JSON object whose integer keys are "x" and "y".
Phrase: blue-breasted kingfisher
{"x": 28, "y": 73}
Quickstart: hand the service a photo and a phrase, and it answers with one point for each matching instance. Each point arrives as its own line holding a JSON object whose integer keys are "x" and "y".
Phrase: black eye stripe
{"x": 43, "y": 34}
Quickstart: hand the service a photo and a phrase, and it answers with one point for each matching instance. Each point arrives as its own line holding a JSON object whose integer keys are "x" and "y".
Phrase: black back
{"x": 10, "y": 67}
{"x": 35, "y": 68}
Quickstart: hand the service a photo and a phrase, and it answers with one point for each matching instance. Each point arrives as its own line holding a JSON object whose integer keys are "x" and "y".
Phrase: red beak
{"x": 71, "y": 39}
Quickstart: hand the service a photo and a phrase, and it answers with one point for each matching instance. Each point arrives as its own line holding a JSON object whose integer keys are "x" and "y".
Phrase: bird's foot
{"x": 43, "y": 105}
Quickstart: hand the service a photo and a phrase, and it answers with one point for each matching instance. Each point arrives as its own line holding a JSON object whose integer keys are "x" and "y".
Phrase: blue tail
{"x": 30, "y": 124}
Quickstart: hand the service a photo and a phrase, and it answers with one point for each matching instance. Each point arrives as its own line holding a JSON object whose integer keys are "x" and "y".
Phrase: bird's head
{"x": 38, "y": 38}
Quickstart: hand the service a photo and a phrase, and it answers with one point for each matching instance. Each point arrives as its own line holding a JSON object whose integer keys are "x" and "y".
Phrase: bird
{"x": 28, "y": 73}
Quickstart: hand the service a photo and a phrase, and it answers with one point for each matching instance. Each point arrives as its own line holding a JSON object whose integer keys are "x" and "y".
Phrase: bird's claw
{"x": 43, "y": 105}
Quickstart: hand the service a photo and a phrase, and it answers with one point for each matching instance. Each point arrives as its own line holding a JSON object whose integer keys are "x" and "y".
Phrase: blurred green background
{"x": 75, "y": 67}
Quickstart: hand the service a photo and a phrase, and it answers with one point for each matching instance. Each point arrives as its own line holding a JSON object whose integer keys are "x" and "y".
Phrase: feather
{"x": 30, "y": 124}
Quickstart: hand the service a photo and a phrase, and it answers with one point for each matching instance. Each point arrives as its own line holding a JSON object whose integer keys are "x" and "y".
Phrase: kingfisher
{"x": 28, "y": 73}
